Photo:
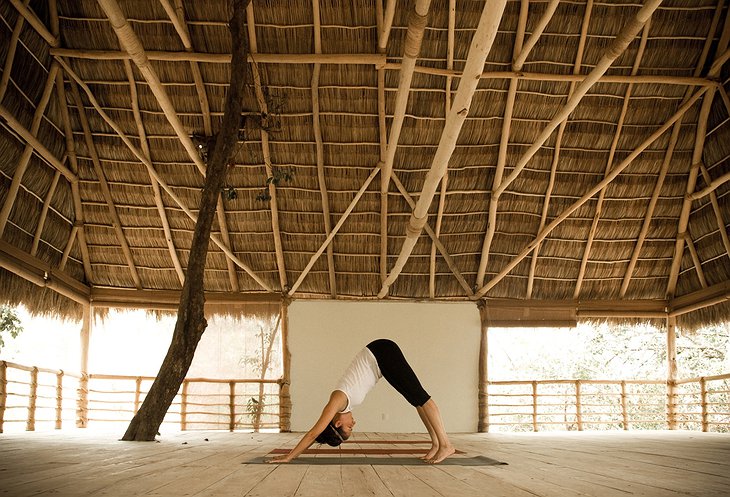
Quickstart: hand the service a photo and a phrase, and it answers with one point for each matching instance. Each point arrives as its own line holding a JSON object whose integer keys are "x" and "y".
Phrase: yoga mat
{"x": 338, "y": 451}
{"x": 384, "y": 461}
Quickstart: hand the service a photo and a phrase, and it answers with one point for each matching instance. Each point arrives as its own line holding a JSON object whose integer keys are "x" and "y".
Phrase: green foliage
{"x": 9, "y": 323}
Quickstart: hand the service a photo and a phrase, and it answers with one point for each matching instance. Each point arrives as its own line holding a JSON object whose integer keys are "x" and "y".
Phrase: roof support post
{"x": 595, "y": 189}
{"x": 480, "y": 47}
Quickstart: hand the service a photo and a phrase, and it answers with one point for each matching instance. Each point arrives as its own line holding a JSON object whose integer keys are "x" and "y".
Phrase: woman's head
{"x": 338, "y": 430}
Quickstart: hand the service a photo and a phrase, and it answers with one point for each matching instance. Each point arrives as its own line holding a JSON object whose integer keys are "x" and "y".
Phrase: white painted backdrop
{"x": 440, "y": 341}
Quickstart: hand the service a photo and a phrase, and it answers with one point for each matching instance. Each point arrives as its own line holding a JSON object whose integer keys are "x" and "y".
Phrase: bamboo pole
{"x": 712, "y": 185}
{"x": 39, "y": 148}
{"x": 3, "y": 392}
{"x": 578, "y": 407}
{"x": 524, "y": 51}
{"x": 104, "y": 187}
{"x": 417, "y": 21}
{"x": 82, "y": 410}
{"x": 483, "y": 399}
{"x": 32, "y": 398}
{"x": 183, "y": 406}
{"x": 140, "y": 156}
{"x": 566, "y": 213}
{"x": 695, "y": 260}
{"x": 624, "y": 407}
{"x": 480, "y": 47}
{"x": 59, "y": 400}
{"x": 716, "y": 207}
{"x": 386, "y": 25}
{"x": 44, "y": 213}
{"x": 36, "y": 23}
{"x": 321, "y": 179}
{"x": 10, "y": 55}
{"x": 22, "y": 165}
{"x": 671, "y": 373}
{"x": 337, "y": 227}
{"x": 534, "y": 406}
{"x": 609, "y": 164}
{"x": 155, "y": 186}
{"x": 285, "y": 406}
{"x": 231, "y": 406}
{"x": 703, "y": 402}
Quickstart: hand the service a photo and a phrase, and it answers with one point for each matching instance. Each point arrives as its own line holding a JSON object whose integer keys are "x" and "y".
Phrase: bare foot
{"x": 429, "y": 455}
{"x": 441, "y": 454}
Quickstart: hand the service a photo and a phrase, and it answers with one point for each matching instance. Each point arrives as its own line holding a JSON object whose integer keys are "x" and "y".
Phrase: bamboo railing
{"x": 202, "y": 403}
{"x": 701, "y": 403}
{"x": 44, "y": 398}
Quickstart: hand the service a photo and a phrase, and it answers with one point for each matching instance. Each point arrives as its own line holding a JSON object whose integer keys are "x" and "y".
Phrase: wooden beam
{"x": 716, "y": 209}
{"x": 672, "y": 372}
{"x": 155, "y": 186}
{"x": 434, "y": 239}
{"x": 368, "y": 59}
{"x": 36, "y": 23}
{"x": 520, "y": 55}
{"x": 695, "y": 260}
{"x": 82, "y": 407}
{"x": 104, "y": 186}
{"x": 567, "y": 212}
{"x": 417, "y": 21}
{"x": 321, "y": 179}
{"x": 140, "y": 156}
{"x": 712, "y": 185}
{"x": 40, "y": 273}
{"x": 40, "y": 149}
{"x": 503, "y": 146}
{"x": 169, "y": 299}
{"x": 483, "y": 371}
{"x": 44, "y": 213}
{"x": 386, "y": 24}
{"x": 700, "y": 299}
{"x": 24, "y": 160}
{"x": 480, "y": 46}
{"x": 609, "y": 164}
{"x": 337, "y": 227}
{"x": 701, "y": 132}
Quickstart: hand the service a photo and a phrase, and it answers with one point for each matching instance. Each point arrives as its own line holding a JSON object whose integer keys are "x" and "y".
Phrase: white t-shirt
{"x": 359, "y": 378}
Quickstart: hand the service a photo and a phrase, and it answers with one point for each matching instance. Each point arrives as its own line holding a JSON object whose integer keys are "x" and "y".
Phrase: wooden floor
{"x": 214, "y": 464}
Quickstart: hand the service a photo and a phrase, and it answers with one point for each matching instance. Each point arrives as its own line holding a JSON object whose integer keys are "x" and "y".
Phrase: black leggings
{"x": 398, "y": 372}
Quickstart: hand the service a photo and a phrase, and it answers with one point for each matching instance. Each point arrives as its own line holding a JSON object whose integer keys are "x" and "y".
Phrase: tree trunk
{"x": 191, "y": 321}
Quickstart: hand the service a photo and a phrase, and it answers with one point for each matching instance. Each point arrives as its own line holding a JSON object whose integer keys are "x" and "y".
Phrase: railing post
{"x": 703, "y": 394}
{"x": 82, "y": 402}
{"x": 232, "y": 405}
{"x": 578, "y": 409}
{"x": 534, "y": 405}
{"x": 82, "y": 410}
{"x": 184, "y": 407}
{"x": 137, "y": 393}
{"x": 30, "y": 423}
{"x": 3, "y": 391}
{"x": 671, "y": 373}
{"x": 483, "y": 399}
{"x": 624, "y": 408}
{"x": 59, "y": 400}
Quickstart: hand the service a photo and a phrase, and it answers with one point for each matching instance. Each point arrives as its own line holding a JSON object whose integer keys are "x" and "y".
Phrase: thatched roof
{"x": 582, "y": 151}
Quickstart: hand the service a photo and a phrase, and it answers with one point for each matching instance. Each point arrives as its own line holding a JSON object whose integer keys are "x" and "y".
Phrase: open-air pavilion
{"x": 420, "y": 170}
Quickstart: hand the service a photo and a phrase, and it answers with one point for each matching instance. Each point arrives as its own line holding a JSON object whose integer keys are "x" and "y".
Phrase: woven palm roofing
{"x": 588, "y": 205}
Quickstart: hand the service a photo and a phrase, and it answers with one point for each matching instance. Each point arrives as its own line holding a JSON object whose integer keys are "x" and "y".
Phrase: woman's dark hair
{"x": 331, "y": 436}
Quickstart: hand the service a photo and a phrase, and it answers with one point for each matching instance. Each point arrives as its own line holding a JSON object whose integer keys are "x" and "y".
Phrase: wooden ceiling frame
{"x": 450, "y": 44}
{"x": 104, "y": 186}
{"x": 150, "y": 167}
{"x": 558, "y": 145}
{"x": 10, "y": 57}
{"x": 131, "y": 43}
{"x": 618, "y": 46}
{"x": 263, "y": 108}
{"x": 319, "y": 149}
{"x": 155, "y": 185}
{"x": 417, "y": 21}
{"x": 609, "y": 163}
{"x": 673, "y": 139}
{"x": 480, "y": 46}
{"x": 587, "y": 196}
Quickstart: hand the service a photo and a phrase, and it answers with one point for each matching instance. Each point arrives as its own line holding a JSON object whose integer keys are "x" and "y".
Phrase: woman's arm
{"x": 337, "y": 402}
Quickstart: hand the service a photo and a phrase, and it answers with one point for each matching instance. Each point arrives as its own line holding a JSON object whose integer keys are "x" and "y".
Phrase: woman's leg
{"x": 435, "y": 426}
{"x": 431, "y": 433}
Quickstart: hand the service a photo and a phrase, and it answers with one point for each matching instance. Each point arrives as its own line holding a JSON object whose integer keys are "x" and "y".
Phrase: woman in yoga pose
{"x": 379, "y": 359}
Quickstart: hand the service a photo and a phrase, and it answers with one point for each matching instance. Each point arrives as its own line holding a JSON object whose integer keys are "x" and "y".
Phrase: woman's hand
{"x": 279, "y": 460}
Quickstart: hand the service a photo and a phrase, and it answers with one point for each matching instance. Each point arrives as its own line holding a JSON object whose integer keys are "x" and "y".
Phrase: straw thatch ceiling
{"x": 588, "y": 151}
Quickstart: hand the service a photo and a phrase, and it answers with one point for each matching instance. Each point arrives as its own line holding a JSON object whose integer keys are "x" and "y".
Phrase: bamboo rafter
{"x": 129, "y": 40}
{"x": 609, "y": 163}
{"x": 35, "y": 22}
{"x": 10, "y": 55}
{"x": 480, "y": 47}
{"x": 155, "y": 185}
{"x": 104, "y": 186}
{"x": 140, "y": 156}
